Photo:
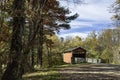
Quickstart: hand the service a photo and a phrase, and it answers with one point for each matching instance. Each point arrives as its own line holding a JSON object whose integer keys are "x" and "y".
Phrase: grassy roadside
{"x": 48, "y": 73}
{"x": 42, "y": 75}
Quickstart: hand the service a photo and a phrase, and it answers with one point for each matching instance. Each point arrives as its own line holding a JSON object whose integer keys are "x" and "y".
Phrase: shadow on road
{"x": 82, "y": 72}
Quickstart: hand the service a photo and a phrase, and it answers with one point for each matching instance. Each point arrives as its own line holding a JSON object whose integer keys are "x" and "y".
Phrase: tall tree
{"x": 53, "y": 19}
{"x": 14, "y": 69}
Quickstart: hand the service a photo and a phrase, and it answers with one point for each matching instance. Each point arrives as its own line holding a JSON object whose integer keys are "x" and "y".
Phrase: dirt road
{"x": 91, "y": 72}
{"x": 78, "y": 72}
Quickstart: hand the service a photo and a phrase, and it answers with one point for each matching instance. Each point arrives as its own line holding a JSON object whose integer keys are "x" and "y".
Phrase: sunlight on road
{"x": 40, "y": 73}
{"x": 104, "y": 67}
{"x": 91, "y": 72}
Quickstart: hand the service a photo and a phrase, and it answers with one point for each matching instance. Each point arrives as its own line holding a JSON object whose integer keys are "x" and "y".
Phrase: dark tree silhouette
{"x": 14, "y": 69}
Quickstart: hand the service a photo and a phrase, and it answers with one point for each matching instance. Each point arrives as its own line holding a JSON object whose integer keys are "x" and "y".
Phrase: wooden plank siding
{"x": 67, "y": 57}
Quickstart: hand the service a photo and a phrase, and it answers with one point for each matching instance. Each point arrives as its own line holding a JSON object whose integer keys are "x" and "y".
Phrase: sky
{"x": 94, "y": 15}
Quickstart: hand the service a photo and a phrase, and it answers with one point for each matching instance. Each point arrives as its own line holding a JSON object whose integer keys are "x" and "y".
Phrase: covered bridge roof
{"x": 72, "y": 49}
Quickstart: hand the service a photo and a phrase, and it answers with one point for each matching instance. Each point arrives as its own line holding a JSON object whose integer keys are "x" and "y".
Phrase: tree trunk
{"x": 1, "y": 15}
{"x": 49, "y": 55}
{"x": 40, "y": 45}
{"x": 0, "y": 69}
{"x": 32, "y": 58}
{"x": 14, "y": 68}
{"x": 31, "y": 32}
